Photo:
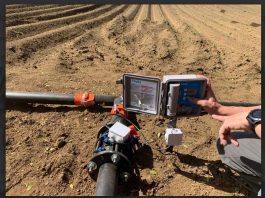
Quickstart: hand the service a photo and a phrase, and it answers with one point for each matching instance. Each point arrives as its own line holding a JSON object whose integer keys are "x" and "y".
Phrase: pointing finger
{"x": 235, "y": 142}
{"x": 219, "y": 117}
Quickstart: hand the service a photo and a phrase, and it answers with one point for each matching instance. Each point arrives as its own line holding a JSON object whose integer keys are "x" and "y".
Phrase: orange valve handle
{"x": 84, "y": 99}
{"x": 119, "y": 109}
{"x": 133, "y": 131}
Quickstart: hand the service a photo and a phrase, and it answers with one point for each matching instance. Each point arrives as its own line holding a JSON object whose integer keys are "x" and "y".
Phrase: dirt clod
{"x": 60, "y": 142}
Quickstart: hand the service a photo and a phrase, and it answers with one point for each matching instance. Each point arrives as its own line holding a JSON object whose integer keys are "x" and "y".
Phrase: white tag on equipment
{"x": 119, "y": 132}
{"x": 173, "y": 136}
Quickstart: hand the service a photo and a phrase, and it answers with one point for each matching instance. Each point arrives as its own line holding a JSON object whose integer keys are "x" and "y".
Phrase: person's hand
{"x": 234, "y": 122}
{"x": 209, "y": 103}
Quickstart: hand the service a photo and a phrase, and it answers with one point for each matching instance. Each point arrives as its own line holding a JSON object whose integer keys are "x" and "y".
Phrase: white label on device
{"x": 173, "y": 136}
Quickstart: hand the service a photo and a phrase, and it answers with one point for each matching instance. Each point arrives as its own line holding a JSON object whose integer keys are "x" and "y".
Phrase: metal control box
{"x": 169, "y": 98}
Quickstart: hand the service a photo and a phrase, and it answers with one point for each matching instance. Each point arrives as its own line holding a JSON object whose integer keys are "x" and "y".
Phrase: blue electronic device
{"x": 177, "y": 91}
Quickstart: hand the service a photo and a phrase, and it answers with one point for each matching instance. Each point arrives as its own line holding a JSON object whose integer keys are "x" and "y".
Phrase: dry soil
{"x": 70, "y": 48}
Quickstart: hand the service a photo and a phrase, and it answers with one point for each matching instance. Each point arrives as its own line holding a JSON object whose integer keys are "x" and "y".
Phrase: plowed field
{"x": 70, "y": 48}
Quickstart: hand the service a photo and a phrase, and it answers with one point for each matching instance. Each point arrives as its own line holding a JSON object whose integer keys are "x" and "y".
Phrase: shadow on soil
{"x": 143, "y": 159}
{"x": 222, "y": 176}
{"x": 40, "y": 108}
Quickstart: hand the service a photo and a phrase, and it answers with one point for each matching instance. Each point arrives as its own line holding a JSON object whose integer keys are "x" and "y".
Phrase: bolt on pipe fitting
{"x": 125, "y": 176}
{"x": 91, "y": 166}
{"x": 115, "y": 158}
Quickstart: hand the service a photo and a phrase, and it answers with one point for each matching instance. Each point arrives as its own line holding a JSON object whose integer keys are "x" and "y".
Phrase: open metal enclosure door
{"x": 141, "y": 94}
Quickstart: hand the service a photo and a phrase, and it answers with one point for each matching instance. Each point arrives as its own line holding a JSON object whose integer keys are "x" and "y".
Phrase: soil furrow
{"x": 159, "y": 47}
{"x": 99, "y": 47}
{"x": 222, "y": 14}
{"x": 241, "y": 10}
{"x": 15, "y": 6}
{"x": 205, "y": 57}
{"x": 211, "y": 32}
{"x": 229, "y": 46}
{"x": 68, "y": 12}
{"x": 28, "y": 16}
{"x": 157, "y": 15}
{"x": 230, "y": 29}
{"x": 143, "y": 14}
{"x": 26, "y": 47}
{"x": 23, "y": 31}
{"x": 121, "y": 24}
{"x": 31, "y": 8}
{"x": 133, "y": 14}
{"x": 149, "y": 13}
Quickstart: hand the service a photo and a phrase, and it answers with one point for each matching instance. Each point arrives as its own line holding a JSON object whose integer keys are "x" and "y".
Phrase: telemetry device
{"x": 169, "y": 97}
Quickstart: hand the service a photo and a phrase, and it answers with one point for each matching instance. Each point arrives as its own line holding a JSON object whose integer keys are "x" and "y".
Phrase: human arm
{"x": 231, "y": 110}
{"x": 211, "y": 105}
{"x": 258, "y": 130}
{"x": 234, "y": 122}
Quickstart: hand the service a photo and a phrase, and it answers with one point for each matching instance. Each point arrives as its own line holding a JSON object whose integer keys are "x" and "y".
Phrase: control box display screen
{"x": 142, "y": 94}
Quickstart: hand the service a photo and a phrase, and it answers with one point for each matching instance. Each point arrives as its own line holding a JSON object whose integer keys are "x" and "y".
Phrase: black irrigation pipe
{"x": 58, "y": 98}
{"x": 52, "y": 98}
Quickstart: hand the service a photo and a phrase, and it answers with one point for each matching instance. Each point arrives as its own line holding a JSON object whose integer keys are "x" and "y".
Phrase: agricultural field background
{"x": 71, "y": 48}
